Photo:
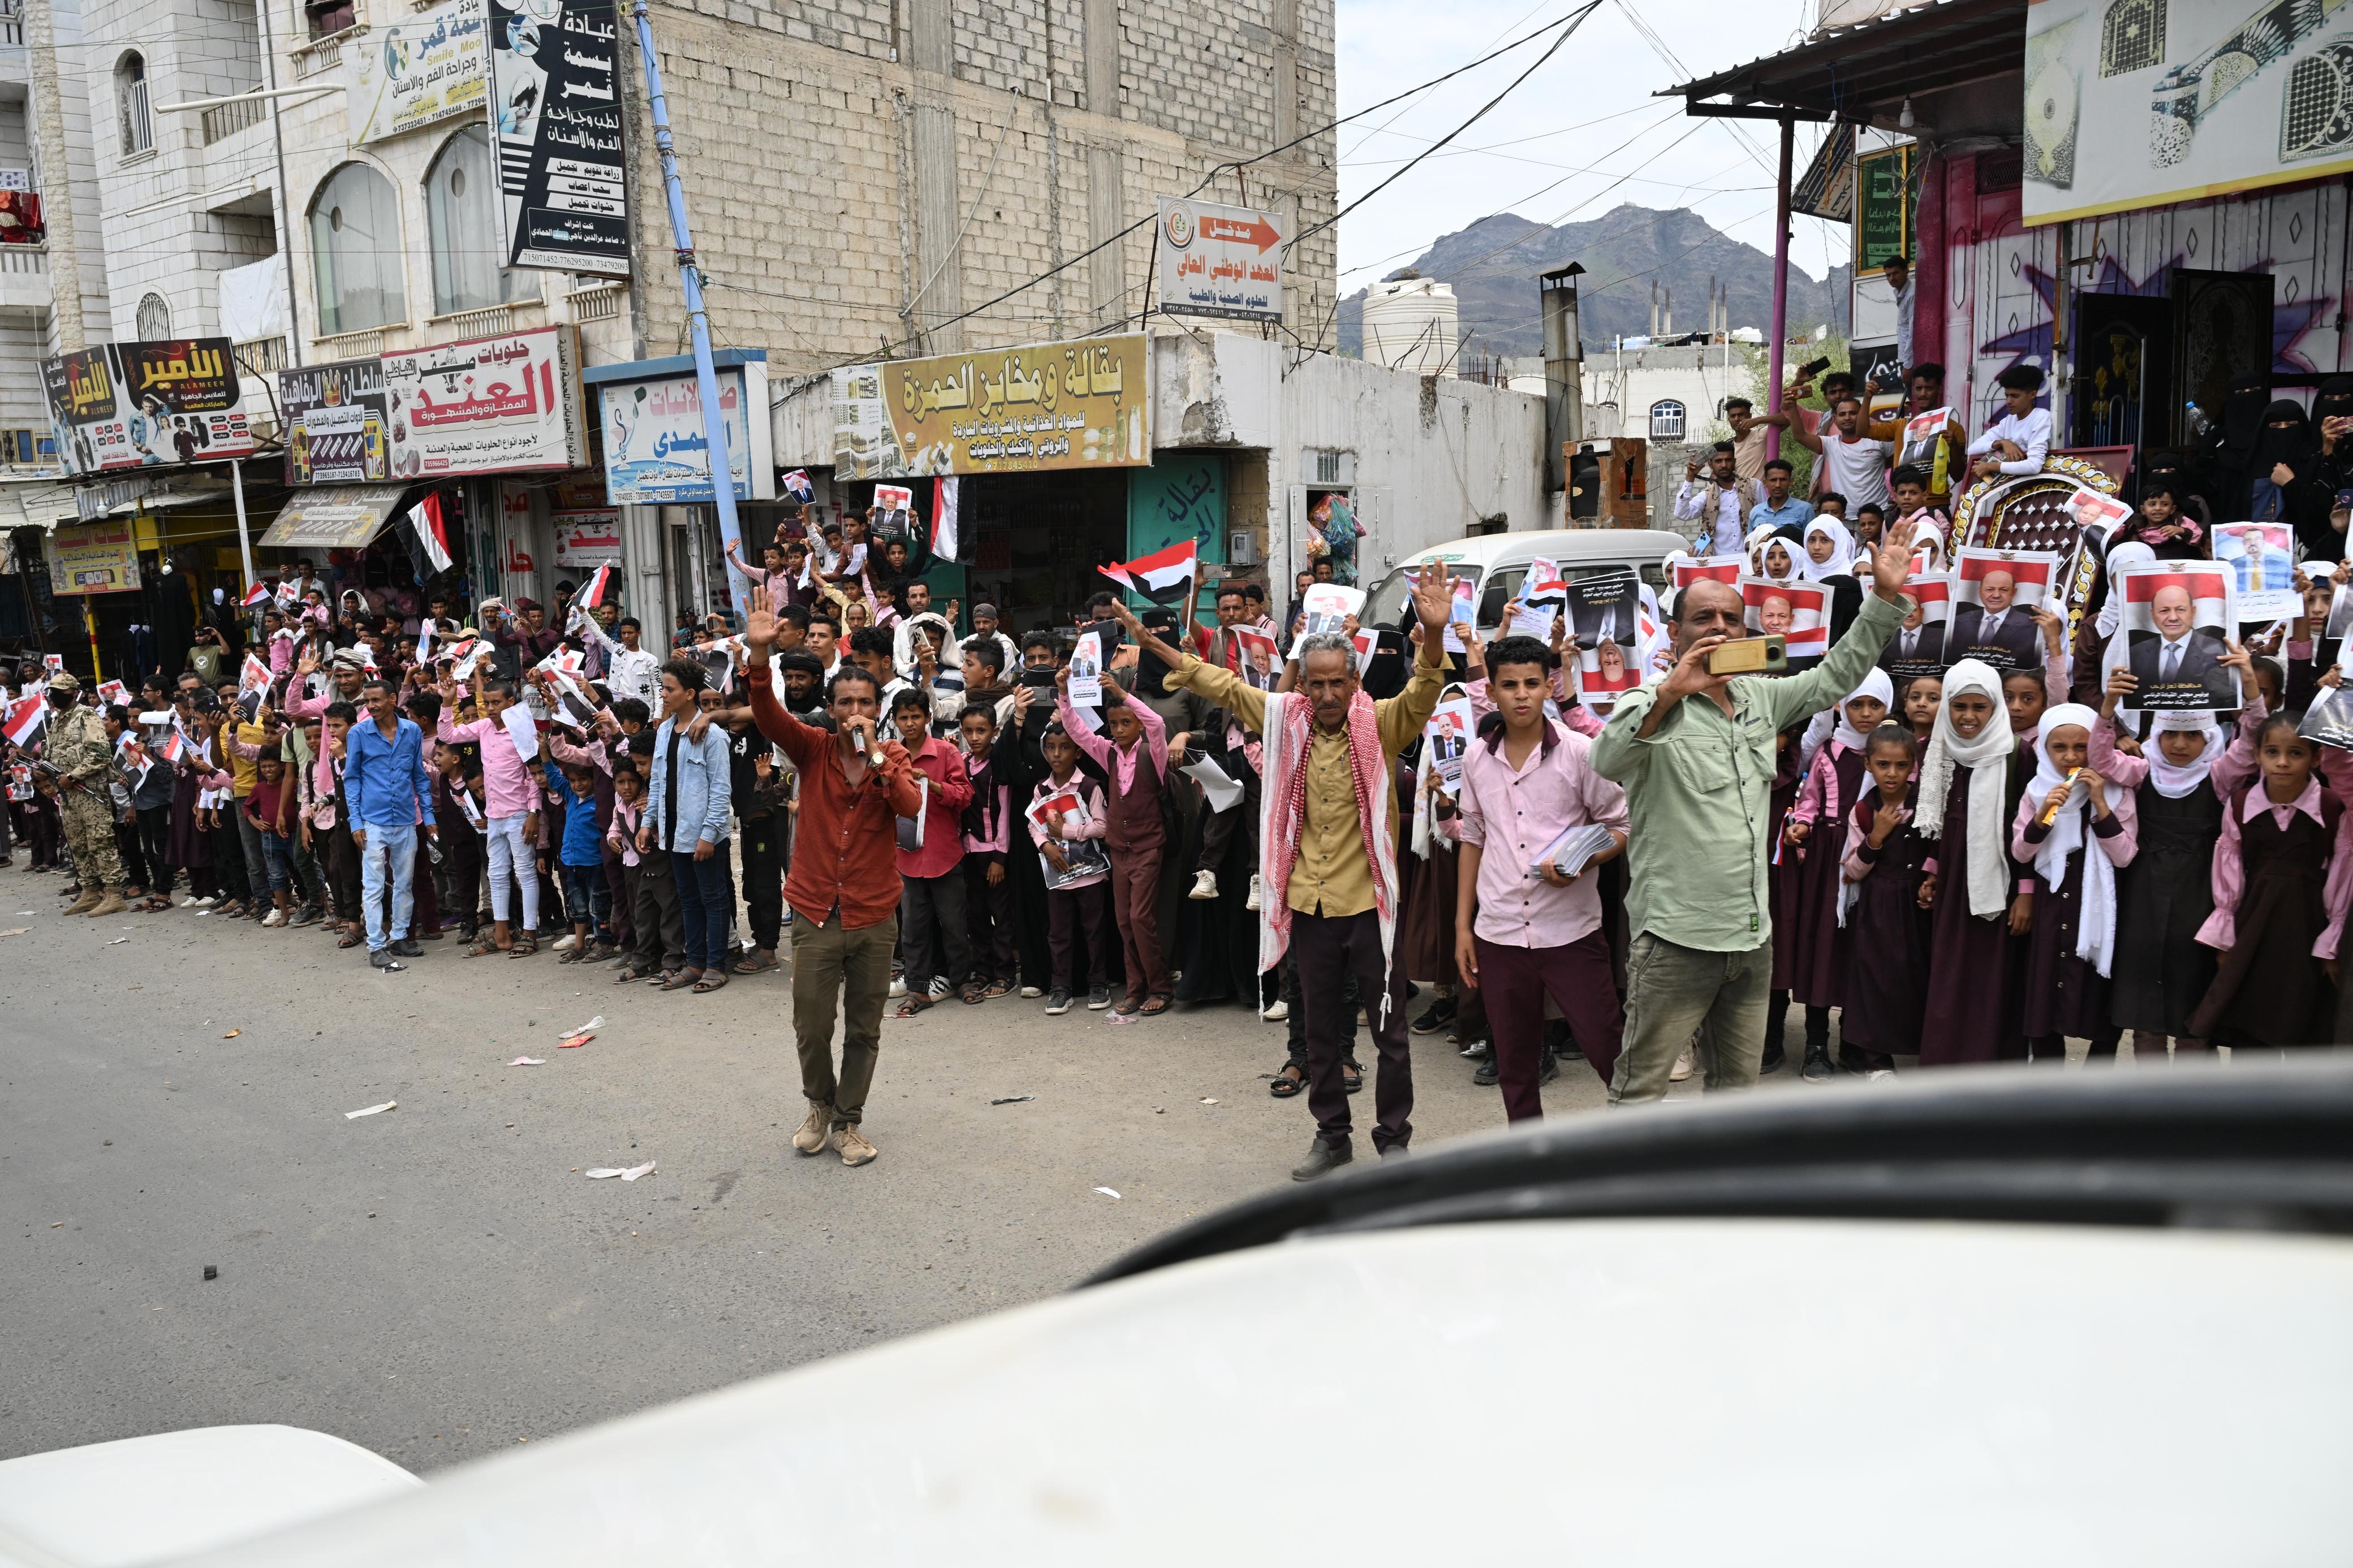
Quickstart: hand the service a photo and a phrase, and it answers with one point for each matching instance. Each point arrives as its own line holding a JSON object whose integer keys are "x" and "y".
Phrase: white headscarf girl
{"x": 2174, "y": 781}
{"x": 2095, "y": 929}
{"x": 1755, "y": 544}
{"x": 1841, "y": 560}
{"x": 1984, "y": 757}
{"x": 1792, "y": 559}
{"x": 2112, "y": 609}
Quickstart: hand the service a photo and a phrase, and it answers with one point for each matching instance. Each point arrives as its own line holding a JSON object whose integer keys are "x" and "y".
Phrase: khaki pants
{"x": 89, "y": 834}
{"x": 848, "y": 972}
{"x": 1673, "y": 992}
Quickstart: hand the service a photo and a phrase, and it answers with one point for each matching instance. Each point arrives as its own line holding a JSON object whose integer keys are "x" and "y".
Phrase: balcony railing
{"x": 595, "y": 302}
{"x": 12, "y": 22}
{"x": 224, "y": 121}
{"x": 352, "y": 345}
{"x": 323, "y": 54}
{"x": 262, "y": 356}
{"x": 24, "y": 258}
{"x": 488, "y": 322}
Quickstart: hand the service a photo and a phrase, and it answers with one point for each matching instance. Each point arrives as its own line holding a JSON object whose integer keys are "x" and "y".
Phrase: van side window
{"x": 1502, "y": 587}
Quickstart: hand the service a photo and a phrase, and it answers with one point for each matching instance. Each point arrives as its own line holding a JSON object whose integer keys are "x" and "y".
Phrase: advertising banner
{"x": 656, "y": 452}
{"x": 557, "y": 122}
{"x": 1046, "y": 406}
{"x": 499, "y": 404}
{"x": 94, "y": 558}
{"x": 2136, "y": 103}
{"x": 1220, "y": 261}
{"x": 418, "y": 70}
{"x": 133, "y": 405}
{"x": 588, "y": 538}
{"x": 337, "y": 431}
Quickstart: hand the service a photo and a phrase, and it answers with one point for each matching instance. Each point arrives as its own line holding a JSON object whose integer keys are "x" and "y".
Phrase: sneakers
{"x": 898, "y": 986}
{"x": 1685, "y": 1064}
{"x": 1880, "y": 1075}
{"x": 1547, "y": 1067}
{"x": 1818, "y": 1067}
{"x": 307, "y": 915}
{"x": 409, "y": 947}
{"x": 941, "y": 989}
{"x": 1478, "y": 1050}
{"x": 815, "y": 1129}
{"x": 1257, "y": 888}
{"x": 274, "y": 918}
{"x": 566, "y": 943}
{"x": 1057, "y": 1003}
{"x": 1031, "y": 992}
{"x": 1440, "y": 1014}
{"x": 1098, "y": 998}
{"x": 1205, "y": 884}
{"x": 111, "y": 904}
{"x": 855, "y": 1148}
{"x": 1277, "y": 1012}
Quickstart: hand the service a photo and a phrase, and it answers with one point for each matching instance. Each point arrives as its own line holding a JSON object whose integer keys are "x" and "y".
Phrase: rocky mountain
{"x": 1493, "y": 266}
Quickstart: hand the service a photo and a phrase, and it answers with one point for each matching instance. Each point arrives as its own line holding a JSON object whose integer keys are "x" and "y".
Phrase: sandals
{"x": 680, "y": 979}
{"x": 1284, "y": 1086}
{"x": 752, "y": 963}
{"x": 713, "y": 979}
{"x": 913, "y": 1005}
{"x": 524, "y": 946}
{"x": 573, "y": 955}
{"x": 1352, "y": 1077}
{"x": 351, "y": 939}
{"x": 485, "y": 946}
{"x": 1000, "y": 988}
{"x": 633, "y": 974}
{"x": 974, "y": 993}
{"x": 1157, "y": 1003}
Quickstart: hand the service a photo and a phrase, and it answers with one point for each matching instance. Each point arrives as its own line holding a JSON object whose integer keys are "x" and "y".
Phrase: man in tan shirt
{"x": 1330, "y": 755}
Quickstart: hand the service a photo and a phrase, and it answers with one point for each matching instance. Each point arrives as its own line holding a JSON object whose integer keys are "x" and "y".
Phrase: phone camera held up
{"x": 1750, "y": 656}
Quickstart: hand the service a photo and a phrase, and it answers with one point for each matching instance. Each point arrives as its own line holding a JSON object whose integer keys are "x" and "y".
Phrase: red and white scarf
{"x": 1287, "y": 740}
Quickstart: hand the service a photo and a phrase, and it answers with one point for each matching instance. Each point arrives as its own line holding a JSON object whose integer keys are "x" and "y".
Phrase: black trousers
{"x": 155, "y": 838}
{"x": 127, "y": 850}
{"x": 931, "y": 930}
{"x": 762, "y": 841}
{"x": 1330, "y": 948}
{"x": 1068, "y": 915}
{"x": 991, "y": 910}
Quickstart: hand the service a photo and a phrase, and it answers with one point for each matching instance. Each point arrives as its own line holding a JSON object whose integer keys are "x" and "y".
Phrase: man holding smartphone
{"x": 1695, "y": 754}
{"x": 844, "y": 884}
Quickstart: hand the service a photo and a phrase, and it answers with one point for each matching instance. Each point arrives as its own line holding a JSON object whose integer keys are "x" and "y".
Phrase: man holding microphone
{"x": 844, "y": 884}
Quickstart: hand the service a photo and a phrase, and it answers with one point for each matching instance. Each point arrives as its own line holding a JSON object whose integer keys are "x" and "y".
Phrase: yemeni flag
{"x": 600, "y": 582}
{"x": 944, "y": 516}
{"x": 257, "y": 594}
{"x": 173, "y": 746}
{"x": 429, "y": 536}
{"x": 1164, "y": 576}
{"x": 26, "y": 722}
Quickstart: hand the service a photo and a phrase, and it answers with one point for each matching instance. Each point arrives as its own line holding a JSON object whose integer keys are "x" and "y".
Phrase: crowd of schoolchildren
{"x": 1973, "y": 867}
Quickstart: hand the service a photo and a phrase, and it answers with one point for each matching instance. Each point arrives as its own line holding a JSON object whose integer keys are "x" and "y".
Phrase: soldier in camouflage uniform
{"x": 78, "y": 748}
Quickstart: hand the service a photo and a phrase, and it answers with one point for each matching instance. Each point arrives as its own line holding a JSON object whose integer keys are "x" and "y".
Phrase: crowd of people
{"x": 913, "y": 809}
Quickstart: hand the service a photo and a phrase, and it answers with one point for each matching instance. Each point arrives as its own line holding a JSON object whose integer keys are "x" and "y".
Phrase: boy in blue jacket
{"x": 587, "y": 896}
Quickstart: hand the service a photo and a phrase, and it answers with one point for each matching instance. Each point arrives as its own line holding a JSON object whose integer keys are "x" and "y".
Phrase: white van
{"x": 1498, "y": 563}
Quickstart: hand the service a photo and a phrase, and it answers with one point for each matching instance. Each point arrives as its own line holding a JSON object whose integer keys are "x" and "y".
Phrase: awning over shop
{"x": 333, "y": 517}
{"x": 1959, "y": 63}
{"x": 37, "y": 505}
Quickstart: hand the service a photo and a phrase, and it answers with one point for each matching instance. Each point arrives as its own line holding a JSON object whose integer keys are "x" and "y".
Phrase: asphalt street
{"x": 442, "y": 1280}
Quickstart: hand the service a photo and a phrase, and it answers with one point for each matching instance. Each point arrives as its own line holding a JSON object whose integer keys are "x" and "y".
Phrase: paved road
{"x": 440, "y": 1281}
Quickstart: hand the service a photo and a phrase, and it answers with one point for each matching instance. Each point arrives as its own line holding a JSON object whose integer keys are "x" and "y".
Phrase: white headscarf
{"x": 1875, "y": 684}
{"x": 1928, "y": 543}
{"x": 1985, "y": 759}
{"x": 2112, "y": 607}
{"x": 1797, "y": 562}
{"x": 1842, "y": 559}
{"x": 2172, "y": 782}
{"x": 2095, "y": 929}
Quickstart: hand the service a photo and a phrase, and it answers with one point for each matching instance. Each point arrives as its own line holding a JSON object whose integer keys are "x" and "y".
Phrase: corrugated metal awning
{"x": 333, "y": 517}
{"x": 37, "y": 505}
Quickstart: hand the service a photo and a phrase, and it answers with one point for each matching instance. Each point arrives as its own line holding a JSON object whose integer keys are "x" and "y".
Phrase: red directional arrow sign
{"x": 1256, "y": 231}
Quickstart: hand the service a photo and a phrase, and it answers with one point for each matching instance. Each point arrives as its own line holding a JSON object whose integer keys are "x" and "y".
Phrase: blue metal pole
{"x": 706, "y": 379}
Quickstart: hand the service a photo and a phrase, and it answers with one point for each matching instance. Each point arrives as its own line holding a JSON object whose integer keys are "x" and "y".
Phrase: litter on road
{"x": 1013, "y": 1100}
{"x": 528, "y": 1062}
{"x": 573, "y": 1042}
{"x": 604, "y": 1172}
{"x": 1107, "y": 1191}
{"x": 370, "y": 1110}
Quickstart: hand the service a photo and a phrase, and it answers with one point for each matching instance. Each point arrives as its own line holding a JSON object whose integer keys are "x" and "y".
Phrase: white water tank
{"x": 1410, "y": 323}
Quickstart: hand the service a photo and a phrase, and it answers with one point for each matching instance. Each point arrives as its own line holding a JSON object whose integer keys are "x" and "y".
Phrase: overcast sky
{"x": 1578, "y": 137}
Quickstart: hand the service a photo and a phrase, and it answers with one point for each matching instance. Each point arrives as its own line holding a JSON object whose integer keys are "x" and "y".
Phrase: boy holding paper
{"x": 1519, "y": 937}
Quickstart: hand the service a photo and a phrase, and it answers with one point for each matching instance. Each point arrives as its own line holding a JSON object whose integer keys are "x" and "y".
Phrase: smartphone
{"x": 1814, "y": 367}
{"x": 1750, "y": 656}
{"x": 1107, "y": 635}
{"x": 1038, "y": 679}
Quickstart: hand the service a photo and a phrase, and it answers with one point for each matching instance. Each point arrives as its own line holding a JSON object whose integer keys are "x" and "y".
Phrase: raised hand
{"x": 760, "y": 628}
{"x": 1433, "y": 596}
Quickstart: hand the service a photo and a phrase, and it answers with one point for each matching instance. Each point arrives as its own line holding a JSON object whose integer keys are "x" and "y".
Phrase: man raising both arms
{"x": 844, "y": 883}
{"x": 1328, "y": 848}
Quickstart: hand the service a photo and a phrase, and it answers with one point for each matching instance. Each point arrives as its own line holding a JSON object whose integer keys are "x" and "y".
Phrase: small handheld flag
{"x": 1164, "y": 576}
{"x": 600, "y": 584}
{"x": 432, "y": 537}
{"x": 257, "y": 594}
{"x": 26, "y": 722}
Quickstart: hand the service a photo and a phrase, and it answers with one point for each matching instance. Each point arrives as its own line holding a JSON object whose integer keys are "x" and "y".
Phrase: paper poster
{"x": 1459, "y": 615}
{"x": 2172, "y": 632}
{"x": 1683, "y": 571}
{"x": 1919, "y": 648}
{"x": 1086, "y": 671}
{"x": 2329, "y": 719}
{"x": 1084, "y": 858}
{"x": 1922, "y": 446}
{"x": 1328, "y": 607}
{"x": 1367, "y": 643}
{"x": 1446, "y": 741}
{"x": 1798, "y": 612}
{"x": 2261, "y": 558}
{"x": 1993, "y": 592}
{"x": 1262, "y": 664}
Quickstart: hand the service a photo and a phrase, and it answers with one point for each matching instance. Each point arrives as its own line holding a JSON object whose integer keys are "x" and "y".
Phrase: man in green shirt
{"x": 1695, "y": 754}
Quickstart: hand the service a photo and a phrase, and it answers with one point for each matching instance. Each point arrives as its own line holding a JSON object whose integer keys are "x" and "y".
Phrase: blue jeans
{"x": 276, "y": 860}
{"x": 588, "y": 900}
{"x": 702, "y": 901}
{"x": 390, "y": 851}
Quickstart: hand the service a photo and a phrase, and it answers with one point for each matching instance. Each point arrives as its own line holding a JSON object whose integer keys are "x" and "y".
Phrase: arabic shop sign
{"x": 493, "y": 405}
{"x": 419, "y": 70}
{"x": 337, "y": 431}
{"x": 134, "y": 405}
{"x": 1220, "y": 261}
{"x": 1048, "y": 405}
{"x": 94, "y": 558}
{"x": 558, "y": 126}
{"x": 655, "y": 449}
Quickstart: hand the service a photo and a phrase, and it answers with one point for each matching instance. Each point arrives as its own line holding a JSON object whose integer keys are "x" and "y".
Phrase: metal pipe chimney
{"x": 1564, "y": 373}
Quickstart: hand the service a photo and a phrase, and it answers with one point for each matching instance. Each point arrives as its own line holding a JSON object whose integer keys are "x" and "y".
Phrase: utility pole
{"x": 689, "y": 276}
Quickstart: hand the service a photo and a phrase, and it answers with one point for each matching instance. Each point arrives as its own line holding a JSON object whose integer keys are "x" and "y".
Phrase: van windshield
{"x": 1387, "y": 607}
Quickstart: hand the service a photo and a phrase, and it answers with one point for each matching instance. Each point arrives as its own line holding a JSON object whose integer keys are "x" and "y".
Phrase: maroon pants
{"x": 1135, "y": 887}
{"x": 1326, "y": 949}
{"x": 1514, "y": 980}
